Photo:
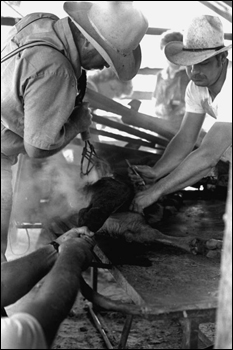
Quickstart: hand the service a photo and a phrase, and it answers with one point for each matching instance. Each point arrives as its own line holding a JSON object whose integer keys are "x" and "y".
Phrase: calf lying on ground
{"x": 108, "y": 213}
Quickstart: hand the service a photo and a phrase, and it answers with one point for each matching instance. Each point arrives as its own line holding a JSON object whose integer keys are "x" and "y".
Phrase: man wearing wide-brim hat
{"x": 209, "y": 92}
{"x": 42, "y": 61}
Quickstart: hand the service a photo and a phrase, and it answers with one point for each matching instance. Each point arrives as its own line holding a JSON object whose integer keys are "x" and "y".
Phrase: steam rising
{"x": 53, "y": 187}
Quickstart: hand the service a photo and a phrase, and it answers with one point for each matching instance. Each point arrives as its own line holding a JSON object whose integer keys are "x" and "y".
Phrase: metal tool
{"x": 88, "y": 153}
{"x": 141, "y": 182}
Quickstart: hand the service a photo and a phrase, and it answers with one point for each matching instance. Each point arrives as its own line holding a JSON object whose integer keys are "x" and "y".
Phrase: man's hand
{"x": 145, "y": 171}
{"x": 82, "y": 117}
{"x": 78, "y": 232}
{"x": 143, "y": 199}
{"x": 78, "y": 244}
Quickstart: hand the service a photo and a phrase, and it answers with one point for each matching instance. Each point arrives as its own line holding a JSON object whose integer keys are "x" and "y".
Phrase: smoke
{"x": 54, "y": 188}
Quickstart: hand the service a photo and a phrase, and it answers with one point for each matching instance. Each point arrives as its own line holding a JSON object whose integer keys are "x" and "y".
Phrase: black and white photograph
{"x": 116, "y": 174}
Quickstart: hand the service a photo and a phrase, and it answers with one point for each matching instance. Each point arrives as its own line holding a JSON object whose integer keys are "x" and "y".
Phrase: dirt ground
{"x": 78, "y": 330}
{"x": 171, "y": 269}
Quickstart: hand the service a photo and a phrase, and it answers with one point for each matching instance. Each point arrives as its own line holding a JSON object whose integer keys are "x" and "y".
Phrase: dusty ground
{"x": 172, "y": 269}
{"x": 78, "y": 330}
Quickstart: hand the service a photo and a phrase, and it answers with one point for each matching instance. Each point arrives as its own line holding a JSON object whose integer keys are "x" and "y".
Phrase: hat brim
{"x": 125, "y": 66}
{"x": 175, "y": 54}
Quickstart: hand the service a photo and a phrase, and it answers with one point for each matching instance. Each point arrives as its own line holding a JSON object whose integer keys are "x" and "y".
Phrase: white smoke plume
{"x": 53, "y": 187}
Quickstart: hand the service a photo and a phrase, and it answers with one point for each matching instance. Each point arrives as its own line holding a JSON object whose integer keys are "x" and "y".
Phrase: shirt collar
{"x": 64, "y": 33}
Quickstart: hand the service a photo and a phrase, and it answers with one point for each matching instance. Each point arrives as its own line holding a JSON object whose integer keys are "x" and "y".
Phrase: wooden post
{"x": 224, "y": 313}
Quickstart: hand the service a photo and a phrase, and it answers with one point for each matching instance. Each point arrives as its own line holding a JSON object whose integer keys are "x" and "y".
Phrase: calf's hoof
{"x": 210, "y": 248}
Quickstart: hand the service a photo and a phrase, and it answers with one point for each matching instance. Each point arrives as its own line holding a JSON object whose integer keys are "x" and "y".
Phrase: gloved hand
{"x": 81, "y": 117}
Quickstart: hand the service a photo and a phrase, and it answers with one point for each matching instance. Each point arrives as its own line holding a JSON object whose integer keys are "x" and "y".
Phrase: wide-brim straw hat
{"x": 203, "y": 39}
{"x": 115, "y": 29}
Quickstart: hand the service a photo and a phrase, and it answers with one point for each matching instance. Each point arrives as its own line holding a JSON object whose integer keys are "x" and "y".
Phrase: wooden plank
{"x": 149, "y": 71}
{"x": 156, "y": 31}
{"x": 220, "y": 8}
{"x": 159, "y": 31}
{"x": 116, "y": 155}
{"x": 164, "y": 128}
{"x": 142, "y": 95}
{"x": 131, "y": 117}
{"x": 119, "y": 277}
{"x": 229, "y": 3}
{"x": 122, "y": 138}
{"x": 9, "y": 21}
{"x": 166, "y": 279}
{"x": 202, "y": 311}
{"x": 132, "y": 131}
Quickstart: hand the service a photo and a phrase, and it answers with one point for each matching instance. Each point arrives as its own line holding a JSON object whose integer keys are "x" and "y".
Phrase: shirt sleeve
{"x": 22, "y": 331}
{"x": 49, "y": 100}
{"x": 193, "y": 99}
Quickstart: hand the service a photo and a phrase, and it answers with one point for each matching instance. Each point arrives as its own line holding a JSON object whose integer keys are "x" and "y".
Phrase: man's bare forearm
{"x": 20, "y": 275}
{"x": 175, "y": 153}
{"x": 190, "y": 171}
{"x": 181, "y": 145}
{"x": 59, "y": 289}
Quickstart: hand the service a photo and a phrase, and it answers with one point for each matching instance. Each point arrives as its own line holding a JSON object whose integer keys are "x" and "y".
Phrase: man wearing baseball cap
{"x": 42, "y": 62}
{"x": 209, "y": 92}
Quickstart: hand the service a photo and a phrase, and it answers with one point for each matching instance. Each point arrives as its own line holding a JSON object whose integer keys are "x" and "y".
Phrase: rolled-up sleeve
{"x": 48, "y": 102}
{"x": 22, "y": 331}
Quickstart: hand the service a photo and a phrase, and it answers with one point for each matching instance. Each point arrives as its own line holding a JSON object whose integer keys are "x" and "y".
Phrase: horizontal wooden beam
{"x": 106, "y": 121}
{"x": 229, "y": 3}
{"x": 159, "y": 31}
{"x": 126, "y": 139}
{"x": 115, "y": 155}
{"x": 220, "y": 8}
{"x": 160, "y": 126}
{"x": 9, "y": 21}
{"x": 156, "y": 31}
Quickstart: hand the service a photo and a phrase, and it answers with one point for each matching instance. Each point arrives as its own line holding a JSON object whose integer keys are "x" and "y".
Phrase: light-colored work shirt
{"x": 198, "y": 100}
{"x": 22, "y": 331}
{"x": 39, "y": 84}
